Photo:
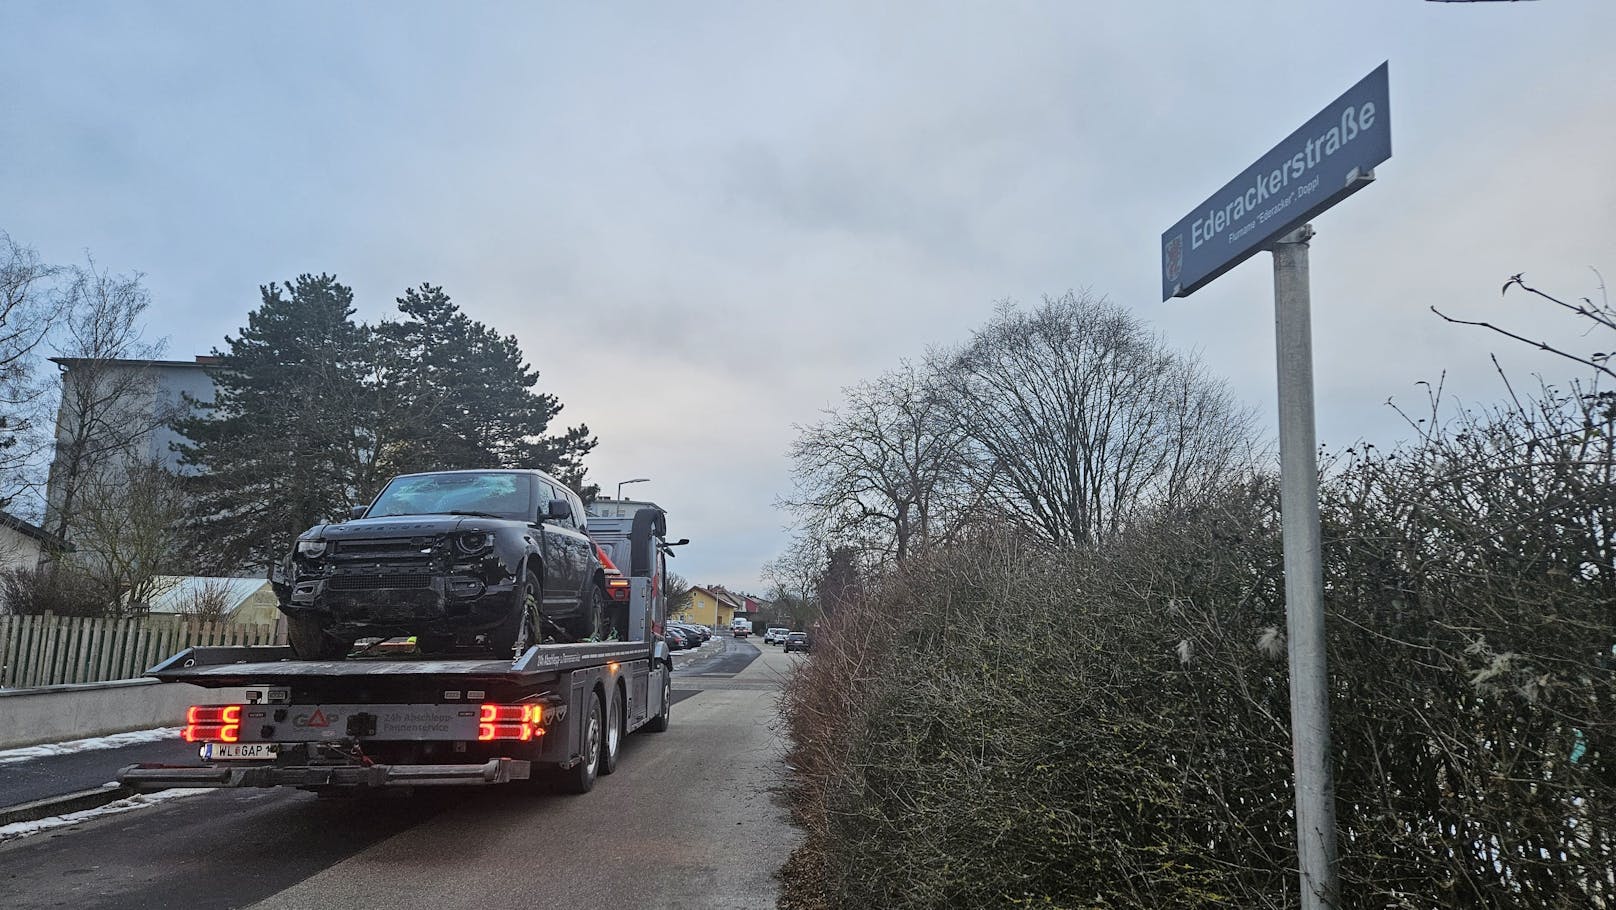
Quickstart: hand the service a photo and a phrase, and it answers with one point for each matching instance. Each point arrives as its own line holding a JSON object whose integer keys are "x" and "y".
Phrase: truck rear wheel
{"x": 659, "y": 724}
{"x": 616, "y": 719}
{"x": 310, "y": 641}
{"x": 580, "y": 778}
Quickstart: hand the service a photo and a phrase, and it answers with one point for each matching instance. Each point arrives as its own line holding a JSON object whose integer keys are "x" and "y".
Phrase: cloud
{"x": 703, "y": 222}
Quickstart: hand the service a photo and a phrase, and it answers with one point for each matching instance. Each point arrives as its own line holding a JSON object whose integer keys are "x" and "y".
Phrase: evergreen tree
{"x": 465, "y": 396}
{"x": 293, "y": 432}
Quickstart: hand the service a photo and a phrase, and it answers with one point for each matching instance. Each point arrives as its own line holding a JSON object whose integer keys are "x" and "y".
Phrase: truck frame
{"x": 412, "y": 721}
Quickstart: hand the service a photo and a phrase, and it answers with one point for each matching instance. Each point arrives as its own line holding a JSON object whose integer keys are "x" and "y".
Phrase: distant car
{"x": 689, "y": 631}
{"x": 797, "y": 641}
{"x": 740, "y": 628}
{"x": 775, "y": 635}
{"x": 677, "y": 641}
{"x": 701, "y": 632}
{"x": 706, "y": 633}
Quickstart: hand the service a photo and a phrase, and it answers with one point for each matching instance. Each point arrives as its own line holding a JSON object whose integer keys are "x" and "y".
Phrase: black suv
{"x": 456, "y": 558}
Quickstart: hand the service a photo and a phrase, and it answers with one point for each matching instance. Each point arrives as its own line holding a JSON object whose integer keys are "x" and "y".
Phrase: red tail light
{"x": 213, "y": 714}
{"x": 617, "y": 588}
{"x": 518, "y": 722}
{"x": 212, "y": 723}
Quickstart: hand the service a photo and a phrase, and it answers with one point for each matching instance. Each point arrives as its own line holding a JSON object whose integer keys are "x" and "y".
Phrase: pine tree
{"x": 294, "y": 429}
{"x": 467, "y": 397}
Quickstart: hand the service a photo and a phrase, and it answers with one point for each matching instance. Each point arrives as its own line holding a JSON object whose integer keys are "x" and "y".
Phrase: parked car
{"x": 496, "y": 559}
{"x": 691, "y": 633}
{"x": 796, "y": 641}
{"x": 706, "y": 633}
{"x": 677, "y": 640}
{"x": 775, "y": 635}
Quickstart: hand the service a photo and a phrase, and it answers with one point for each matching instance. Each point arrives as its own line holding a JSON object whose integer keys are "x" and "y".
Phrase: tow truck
{"x": 403, "y": 721}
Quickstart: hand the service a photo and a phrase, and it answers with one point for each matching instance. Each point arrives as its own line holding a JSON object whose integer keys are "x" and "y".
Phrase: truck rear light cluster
{"x": 212, "y": 723}
{"x": 518, "y": 722}
{"x": 617, "y": 588}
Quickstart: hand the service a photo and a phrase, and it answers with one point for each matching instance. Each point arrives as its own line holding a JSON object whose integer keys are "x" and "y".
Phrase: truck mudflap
{"x": 150, "y": 777}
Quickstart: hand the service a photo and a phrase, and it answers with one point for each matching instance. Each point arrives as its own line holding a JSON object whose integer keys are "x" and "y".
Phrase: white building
{"x": 134, "y": 405}
{"x": 606, "y": 507}
{"x": 22, "y": 545}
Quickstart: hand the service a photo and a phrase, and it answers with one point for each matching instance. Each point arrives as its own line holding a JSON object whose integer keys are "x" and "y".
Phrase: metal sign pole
{"x": 1304, "y": 583}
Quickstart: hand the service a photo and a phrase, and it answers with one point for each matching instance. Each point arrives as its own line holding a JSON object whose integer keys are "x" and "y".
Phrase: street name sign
{"x": 1331, "y": 157}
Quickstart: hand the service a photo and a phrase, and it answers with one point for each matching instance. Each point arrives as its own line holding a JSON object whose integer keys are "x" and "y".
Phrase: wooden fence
{"x": 52, "y": 650}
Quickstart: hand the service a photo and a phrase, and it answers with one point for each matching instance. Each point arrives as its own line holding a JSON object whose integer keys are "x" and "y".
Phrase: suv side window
{"x": 553, "y": 491}
{"x": 580, "y": 518}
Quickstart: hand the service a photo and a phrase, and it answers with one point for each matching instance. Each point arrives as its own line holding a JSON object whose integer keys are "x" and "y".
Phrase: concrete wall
{"x": 60, "y": 713}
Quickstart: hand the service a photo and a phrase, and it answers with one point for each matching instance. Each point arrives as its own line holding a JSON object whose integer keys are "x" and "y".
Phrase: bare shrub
{"x": 59, "y": 590}
{"x": 1000, "y": 725}
{"x": 209, "y": 601}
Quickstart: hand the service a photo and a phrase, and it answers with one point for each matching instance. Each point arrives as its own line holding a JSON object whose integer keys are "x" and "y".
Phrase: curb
{"x": 62, "y": 805}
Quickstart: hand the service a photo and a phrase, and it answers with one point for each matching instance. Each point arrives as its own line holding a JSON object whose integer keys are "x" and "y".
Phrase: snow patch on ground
{"x": 23, "y": 829}
{"x": 115, "y": 741}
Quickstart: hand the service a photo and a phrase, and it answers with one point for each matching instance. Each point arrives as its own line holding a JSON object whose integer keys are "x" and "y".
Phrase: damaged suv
{"x": 495, "y": 559}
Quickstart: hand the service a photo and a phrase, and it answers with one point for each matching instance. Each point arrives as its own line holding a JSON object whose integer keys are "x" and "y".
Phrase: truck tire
{"x": 659, "y": 724}
{"x": 616, "y": 721}
{"x": 521, "y": 629}
{"x": 580, "y": 778}
{"x": 310, "y": 641}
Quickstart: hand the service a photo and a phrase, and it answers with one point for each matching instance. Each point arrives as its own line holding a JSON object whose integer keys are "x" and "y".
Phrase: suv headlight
{"x": 473, "y": 541}
{"x": 311, "y": 549}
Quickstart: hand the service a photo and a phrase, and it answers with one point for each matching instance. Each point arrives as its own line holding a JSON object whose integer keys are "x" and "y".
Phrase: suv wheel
{"x": 591, "y": 624}
{"x": 310, "y": 641}
{"x": 520, "y": 630}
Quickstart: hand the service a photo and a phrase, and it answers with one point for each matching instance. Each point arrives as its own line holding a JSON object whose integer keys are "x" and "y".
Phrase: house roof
{"x": 202, "y": 361}
{"x": 27, "y": 528}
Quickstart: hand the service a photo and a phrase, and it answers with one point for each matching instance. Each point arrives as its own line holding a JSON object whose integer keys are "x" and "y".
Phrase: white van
{"x": 740, "y": 628}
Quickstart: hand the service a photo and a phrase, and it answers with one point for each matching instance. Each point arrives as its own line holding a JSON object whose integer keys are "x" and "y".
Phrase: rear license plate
{"x": 221, "y": 751}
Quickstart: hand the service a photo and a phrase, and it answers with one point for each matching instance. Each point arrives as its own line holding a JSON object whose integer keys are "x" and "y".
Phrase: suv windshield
{"x": 499, "y": 494}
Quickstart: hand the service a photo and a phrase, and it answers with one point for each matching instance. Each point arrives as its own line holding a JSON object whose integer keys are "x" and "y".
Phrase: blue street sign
{"x": 1331, "y": 157}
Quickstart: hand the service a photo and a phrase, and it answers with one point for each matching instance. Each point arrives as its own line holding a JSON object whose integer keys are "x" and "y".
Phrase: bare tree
{"x": 1600, "y": 315}
{"x": 104, "y": 417}
{"x": 886, "y": 469}
{"x": 1082, "y": 417}
{"x": 794, "y": 576}
{"x": 678, "y": 592}
{"x": 127, "y": 534}
{"x": 29, "y": 307}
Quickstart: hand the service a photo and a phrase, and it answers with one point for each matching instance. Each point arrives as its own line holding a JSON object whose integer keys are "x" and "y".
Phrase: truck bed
{"x": 220, "y": 667}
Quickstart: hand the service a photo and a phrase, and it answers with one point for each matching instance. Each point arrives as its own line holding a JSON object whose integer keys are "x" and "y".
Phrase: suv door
{"x": 568, "y": 552}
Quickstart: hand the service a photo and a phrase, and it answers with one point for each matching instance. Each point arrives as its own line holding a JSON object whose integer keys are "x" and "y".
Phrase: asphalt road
{"x": 689, "y": 820}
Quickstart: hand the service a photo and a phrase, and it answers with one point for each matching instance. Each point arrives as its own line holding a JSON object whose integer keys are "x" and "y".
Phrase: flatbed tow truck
{"x": 364, "y": 723}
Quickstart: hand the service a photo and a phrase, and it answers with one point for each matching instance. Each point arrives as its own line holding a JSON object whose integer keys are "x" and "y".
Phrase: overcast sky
{"x": 703, "y": 219}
